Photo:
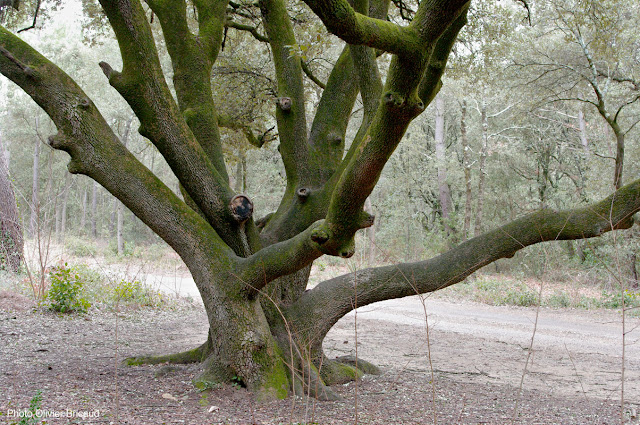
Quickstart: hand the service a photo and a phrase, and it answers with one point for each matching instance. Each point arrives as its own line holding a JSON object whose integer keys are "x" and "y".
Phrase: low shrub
{"x": 66, "y": 290}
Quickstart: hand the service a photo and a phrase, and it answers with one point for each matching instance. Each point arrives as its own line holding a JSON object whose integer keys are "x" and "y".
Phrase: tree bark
{"x": 11, "y": 239}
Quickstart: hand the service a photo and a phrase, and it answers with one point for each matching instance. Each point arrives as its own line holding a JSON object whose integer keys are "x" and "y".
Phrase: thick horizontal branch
{"x": 279, "y": 259}
{"x": 358, "y": 29}
{"x": 320, "y": 308}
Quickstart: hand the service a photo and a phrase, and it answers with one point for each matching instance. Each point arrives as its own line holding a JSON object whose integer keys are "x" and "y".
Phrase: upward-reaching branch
{"x": 142, "y": 84}
{"x": 192, "y": 58}
{"x": 290, "y": 105}
{"x": 400, "y": 104}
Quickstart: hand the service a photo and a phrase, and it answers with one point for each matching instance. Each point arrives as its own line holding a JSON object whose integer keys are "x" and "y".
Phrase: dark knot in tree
{"x": 284, "y": 103}
{"x": 241, "y": 208}
{"x": 303, "y": 193}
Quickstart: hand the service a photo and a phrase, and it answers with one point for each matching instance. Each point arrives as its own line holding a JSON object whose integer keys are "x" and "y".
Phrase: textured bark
{"x": 320, "y": 308}
{"x": 11, "y": 239}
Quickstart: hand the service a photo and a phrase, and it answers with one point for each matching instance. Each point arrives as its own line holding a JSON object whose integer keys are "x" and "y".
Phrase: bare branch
{"x": 248, "y": 28}
{"x": 312, "y": 77}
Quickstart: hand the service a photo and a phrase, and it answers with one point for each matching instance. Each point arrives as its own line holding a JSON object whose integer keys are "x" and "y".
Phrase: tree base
{"x": 308, "y": 380}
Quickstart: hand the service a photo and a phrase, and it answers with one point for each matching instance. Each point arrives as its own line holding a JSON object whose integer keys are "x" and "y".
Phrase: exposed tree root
{"x": 343, "y": 369}
{"x": 195, "y": 355}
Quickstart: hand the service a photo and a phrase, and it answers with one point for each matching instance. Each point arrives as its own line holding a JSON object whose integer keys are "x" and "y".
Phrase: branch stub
{"x": 303, "y": 193}
{"x": 284, "y": 103}
{"x": 241, "y": 208}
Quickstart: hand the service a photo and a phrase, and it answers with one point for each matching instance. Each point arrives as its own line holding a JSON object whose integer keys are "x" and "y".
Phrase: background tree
{"x": 11, "y": 240}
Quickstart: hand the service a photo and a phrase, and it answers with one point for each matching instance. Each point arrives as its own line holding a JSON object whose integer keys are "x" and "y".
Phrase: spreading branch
{"x": 320, "y": 308}
{"x": 399, "y": 105}
{"x": 96, "y": 151}
{"x": 142, "y": 85}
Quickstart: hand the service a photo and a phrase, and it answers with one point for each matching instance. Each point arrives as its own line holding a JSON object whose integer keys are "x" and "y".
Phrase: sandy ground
{"x": 478, "y": 354}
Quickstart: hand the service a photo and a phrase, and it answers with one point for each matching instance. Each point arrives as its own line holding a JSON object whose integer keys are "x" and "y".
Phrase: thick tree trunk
{"x": 441, "y": 161}
{"x": 466, "y": 164}
{"x": 482, "y": 172}
{"x": 11, "y": 239}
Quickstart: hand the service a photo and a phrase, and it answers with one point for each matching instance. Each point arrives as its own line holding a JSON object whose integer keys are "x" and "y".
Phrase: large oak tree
{"x": 265, "y": 327}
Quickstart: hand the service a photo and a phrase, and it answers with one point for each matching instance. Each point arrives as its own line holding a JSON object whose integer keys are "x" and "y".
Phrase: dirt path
{"x": 574, "y": 352}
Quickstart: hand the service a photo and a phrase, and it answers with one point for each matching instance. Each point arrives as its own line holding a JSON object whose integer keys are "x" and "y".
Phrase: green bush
{"x": 136, "y": 292}
{"x": 80, "y": 248}
{"x": 614, "y": 300}
{"x": 559, "y": 300}
{"x": 129, "y": 249}
{"x": 66, "y": 290}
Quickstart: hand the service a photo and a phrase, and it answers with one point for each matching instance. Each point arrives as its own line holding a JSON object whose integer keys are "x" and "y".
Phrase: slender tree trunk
{"x": 120, "y": 235}
{"x": 113, "y": 218}
{"x": 120, "y": 207}
{"x": 94, "y": 211}
{"x": 482, "y": 169}
{"x": 583, "y": 131}
{"x": 11, "y": 239}
{"x": 35, "y": 191}
{"x": 441, "y": 161}
{"x": 85, "y": 202}
{"x": 617, "y": 177}
{"x": 58, "y": 216}
{"x": 68, "y": 181}
{"x": 466, "y": 163}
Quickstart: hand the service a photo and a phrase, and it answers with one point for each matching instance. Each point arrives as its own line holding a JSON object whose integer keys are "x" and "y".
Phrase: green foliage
{"x": 80, "y": 247}
{"x": 135, "y": 292}
{"x": 7, "y": 248}
{"x": 615, "y": 299}
{"x": 496, "y": 293}
{"x": 128, "y": 251}
{"x": 207, "y": 385}
{"x": 66, "y": 290}
{"x": 31, "y": 418}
